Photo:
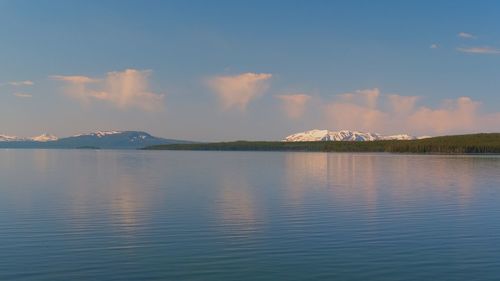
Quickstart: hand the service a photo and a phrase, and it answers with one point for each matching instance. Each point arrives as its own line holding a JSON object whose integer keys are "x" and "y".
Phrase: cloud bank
{"x": 237, "y": 91}
{"x": 125, "y": 89}
{"x": 368, "y": 110}
{"x": 294, "y": 104}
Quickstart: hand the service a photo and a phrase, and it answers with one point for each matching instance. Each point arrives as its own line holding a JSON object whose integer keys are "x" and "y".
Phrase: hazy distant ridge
{"x": 99, "y": 139}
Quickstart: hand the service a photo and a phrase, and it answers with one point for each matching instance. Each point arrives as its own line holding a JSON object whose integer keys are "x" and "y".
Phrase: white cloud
{"x": 367, "y": 97}
{"x": 123, "y": 89}
{"x": 23, "y": 95}
{"x": 75, "y": 79}
{"x": 466, "y": 35}
{"x": 21, "y": 83}
{"x": 130, "y": 88}
{"x": 238, "y": 90}
{"x": 294, "y": 104}
{"x": 402, "y": 104}
{"x": 400, "y": 114}
{"x": 480, "y": 50}
{"x": 77, "y": 86}
{"x": 18, "y": 83}
{"x": 453, "y": 116}
{"x": 434, "y": 46}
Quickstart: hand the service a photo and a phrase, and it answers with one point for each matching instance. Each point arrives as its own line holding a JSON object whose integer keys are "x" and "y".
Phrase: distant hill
{"x": 97, "y": 140}
{"x": 460, "y": 144}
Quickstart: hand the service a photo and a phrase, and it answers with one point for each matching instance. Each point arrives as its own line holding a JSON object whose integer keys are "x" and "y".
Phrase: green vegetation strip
{"x": 460, "y": 144}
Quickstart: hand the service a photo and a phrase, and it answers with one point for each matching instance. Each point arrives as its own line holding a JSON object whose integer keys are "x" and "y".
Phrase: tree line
{"x": 459, "y": 144}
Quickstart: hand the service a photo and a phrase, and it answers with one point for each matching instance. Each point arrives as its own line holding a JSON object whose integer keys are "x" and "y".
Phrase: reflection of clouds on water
{"x": 461, "y": 179}
{"x": 236, "y": 202}
{"x": 411, "y": 177}
{"x": 370, "y": 178}
{"x": 114, "y": 187}
{"x": 343, "y": 176}
{"x": 305, "y": 172}
{"x": 444, "y": 176}
{"x": 235, "y": 206}
{"x": 354, "y": 175}
{"x": 41, "y": 159}
{"x": 127, "y": 203}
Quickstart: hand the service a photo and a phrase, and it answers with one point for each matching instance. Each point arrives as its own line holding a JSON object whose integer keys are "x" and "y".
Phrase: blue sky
{"x": 221, "y": 70}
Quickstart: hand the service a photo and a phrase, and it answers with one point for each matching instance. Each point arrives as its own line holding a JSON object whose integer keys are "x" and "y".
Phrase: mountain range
{"x": 96, "y": 140}
{"x": 138, "y": 139}
{"x": 344, "y": 135}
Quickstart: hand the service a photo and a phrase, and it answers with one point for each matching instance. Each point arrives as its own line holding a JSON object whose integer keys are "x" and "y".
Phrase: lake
{"x": 180, "y": 215}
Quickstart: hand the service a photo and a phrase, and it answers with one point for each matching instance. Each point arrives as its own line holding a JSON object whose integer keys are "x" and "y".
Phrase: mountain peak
{"x": 10, "y": 138}
{"x": 44, "y": 138}
{"x": 99, "y": 134}
{"x": 98, "y": 139}
{"x": 342, "y": 135}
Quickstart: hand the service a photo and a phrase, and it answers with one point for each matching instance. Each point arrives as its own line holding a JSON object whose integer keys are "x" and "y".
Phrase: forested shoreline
{"x": 458, "y": 144}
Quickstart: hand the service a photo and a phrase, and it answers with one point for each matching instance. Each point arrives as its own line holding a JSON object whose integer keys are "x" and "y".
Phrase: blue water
{"x": 168, "y": 215}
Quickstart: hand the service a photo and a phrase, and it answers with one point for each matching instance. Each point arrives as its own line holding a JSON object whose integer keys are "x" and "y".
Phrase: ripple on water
{"x": 135, "y": 215}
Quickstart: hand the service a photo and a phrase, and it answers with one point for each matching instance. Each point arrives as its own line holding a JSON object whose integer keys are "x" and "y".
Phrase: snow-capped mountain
{"x": 40, "y": 138}
{"x": 99, "y": 139}
{"x": 44, "y": 138}
{"x": 114, "y": 139}
{"x": 5, "y": 138}
{"x": 99, "y": 134}
{"x": 344, "y": 135}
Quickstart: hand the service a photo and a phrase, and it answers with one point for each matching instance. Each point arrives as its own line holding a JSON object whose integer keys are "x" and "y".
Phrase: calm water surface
{"x": 136, "y": 215}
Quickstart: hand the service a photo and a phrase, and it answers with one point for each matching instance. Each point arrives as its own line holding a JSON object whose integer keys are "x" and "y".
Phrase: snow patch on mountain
{"x": 99, "y": 134}
{"x": 44, "y": 138}
{"x": 40, "y": 138}
{"x": 343, "y": 135}
{"x": 398, "y": 137}
{"x": 10, "y": 138}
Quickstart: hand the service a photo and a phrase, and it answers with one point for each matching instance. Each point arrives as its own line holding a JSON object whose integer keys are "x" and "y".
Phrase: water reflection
{"x": 127, "y": 203}
{"x": 339, "y": 175}
{"x": 41, "y": 159}
{"x": 355, "y": 177}
{"x": 133, "y": 215}
{"x": 304, "y": 172}
{"x": 101, "y": 189}
{"x": 236, "y": 206}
